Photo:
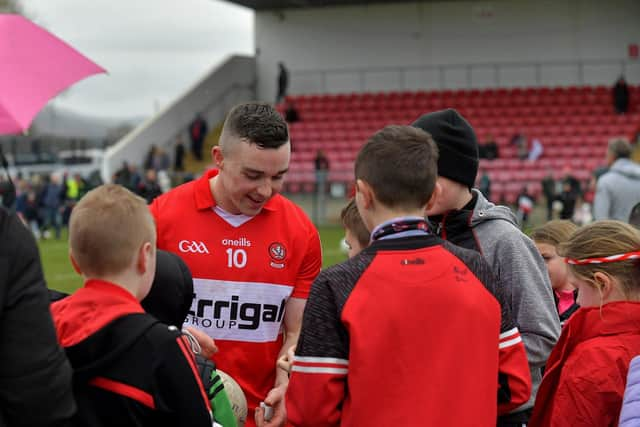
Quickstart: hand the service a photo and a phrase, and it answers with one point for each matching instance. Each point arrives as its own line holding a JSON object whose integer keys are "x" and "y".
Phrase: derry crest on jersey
{"x": 278, "y": 254}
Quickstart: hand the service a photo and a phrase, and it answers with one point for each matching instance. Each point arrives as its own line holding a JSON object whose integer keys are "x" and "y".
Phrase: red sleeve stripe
{"x": 124, "y": 390}
{"x": 320, "y": 365}
{"x": 191, "y": 360}
{"x": 510, "y": 333}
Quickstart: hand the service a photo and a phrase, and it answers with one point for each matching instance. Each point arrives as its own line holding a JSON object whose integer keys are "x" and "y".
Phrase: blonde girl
{"x": 586, "y": 371}
{"x": 547, "y": 239}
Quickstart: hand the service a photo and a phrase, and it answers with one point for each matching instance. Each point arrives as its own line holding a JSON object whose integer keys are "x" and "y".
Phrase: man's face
{"x": 250, "y": 175}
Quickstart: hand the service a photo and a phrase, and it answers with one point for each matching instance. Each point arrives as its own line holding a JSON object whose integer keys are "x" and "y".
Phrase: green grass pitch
{"x": 61, "y": 276}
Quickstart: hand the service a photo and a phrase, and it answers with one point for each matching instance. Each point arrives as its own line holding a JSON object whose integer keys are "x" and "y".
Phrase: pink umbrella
{"x": 35, "y": 66}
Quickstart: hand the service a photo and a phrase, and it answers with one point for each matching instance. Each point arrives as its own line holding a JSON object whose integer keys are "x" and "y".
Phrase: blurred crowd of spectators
{"x": 44, "y": 202}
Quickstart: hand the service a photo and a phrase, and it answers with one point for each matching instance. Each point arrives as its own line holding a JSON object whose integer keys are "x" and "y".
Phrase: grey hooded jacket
{"x": 617, "y": 191}
{"x": 492, "y": 231}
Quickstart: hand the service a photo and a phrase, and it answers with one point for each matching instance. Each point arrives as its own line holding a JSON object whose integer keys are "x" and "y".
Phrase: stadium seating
{"x": 573, "y": 124}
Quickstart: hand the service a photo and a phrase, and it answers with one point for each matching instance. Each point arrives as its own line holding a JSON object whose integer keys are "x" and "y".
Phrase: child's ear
{"x": 144, "y": 257}
{"x": 75, "y": 265}
{"x": 364, "y": 191}
{"x": 604, "y": 282}
{"x": 437, "y": 190}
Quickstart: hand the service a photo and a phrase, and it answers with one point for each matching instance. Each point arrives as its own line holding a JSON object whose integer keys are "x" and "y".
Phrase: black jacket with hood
{"x": 130, "y": 370}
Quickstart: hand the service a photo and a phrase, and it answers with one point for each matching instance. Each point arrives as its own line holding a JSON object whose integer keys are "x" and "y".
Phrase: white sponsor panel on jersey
{"x": 238, "y": 311}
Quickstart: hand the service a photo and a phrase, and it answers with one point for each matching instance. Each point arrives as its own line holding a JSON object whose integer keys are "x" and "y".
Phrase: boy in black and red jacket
{"x": 413, "y": 331}
{"x": 129, "y": 369}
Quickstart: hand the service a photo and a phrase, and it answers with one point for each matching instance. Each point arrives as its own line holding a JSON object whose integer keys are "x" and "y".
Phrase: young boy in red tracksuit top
{"x": 413, "y": 331}
{"x": 128, "y": 369}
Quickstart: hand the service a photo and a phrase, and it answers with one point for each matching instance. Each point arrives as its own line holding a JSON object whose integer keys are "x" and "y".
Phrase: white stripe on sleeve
{"x": 509, "y": 333}
{"x": 318, "y": 370}
{"x": 510, "y": 343}
{"x": 323, "y": 360}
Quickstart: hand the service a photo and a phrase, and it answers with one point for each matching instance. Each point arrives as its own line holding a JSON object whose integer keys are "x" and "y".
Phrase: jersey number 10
{"x": 236, "y": 258}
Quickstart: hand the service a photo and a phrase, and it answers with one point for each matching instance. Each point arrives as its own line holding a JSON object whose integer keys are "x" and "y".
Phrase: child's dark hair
{"x": 171, "y": 293}
{"x": 352, "y": 221}
{"x": 400, "y": 163}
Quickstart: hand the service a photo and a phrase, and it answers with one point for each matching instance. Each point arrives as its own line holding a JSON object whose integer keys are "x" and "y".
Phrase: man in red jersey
{"x": 253, "y": 254}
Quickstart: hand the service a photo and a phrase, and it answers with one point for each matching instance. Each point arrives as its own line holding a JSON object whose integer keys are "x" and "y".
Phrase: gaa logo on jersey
{"x": 195, "y": 247}
{"x": 278, "y": 253}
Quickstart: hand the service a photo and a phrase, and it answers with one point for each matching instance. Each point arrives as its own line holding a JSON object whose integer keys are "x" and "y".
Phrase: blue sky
{"x": 153, "y": 49}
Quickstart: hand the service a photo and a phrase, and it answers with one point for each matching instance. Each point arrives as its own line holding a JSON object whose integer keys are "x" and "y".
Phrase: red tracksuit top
{"x": 587, "y": 370}
{"x": 407, "y": 333}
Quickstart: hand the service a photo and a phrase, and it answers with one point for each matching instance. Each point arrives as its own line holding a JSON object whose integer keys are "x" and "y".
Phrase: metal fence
{"x": 456, "y": 76}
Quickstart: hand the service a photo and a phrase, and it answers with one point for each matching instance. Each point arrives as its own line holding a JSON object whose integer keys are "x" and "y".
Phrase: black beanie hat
{"x": 171, "y": 293}
{"x": 457, "y": 144}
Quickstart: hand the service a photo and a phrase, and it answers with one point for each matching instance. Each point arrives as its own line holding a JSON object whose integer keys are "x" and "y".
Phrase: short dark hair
{"x": 171, "y": 293}
{"x": 620, "y": 148}
{"x": 352, "y": 221}
{"x": 400, "y": 165}
{"x": 259, "y": 123}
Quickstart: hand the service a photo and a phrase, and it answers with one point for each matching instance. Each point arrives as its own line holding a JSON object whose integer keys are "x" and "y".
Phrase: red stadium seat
{"x": 573, "y": 124}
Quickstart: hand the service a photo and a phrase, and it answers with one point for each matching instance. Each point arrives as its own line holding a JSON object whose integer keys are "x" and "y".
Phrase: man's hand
{"x": 275, "y": 399}
{"x": 207, "y": 345}
{"x": 286, "y": 361}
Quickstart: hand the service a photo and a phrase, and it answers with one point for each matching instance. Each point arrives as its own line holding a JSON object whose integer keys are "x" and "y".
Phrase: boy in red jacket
{"x": 129, "y": 369}
{"x": 438, "y": 306}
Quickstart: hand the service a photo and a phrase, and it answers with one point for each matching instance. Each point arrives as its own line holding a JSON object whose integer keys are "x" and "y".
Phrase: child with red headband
{"x": 586, "y": 372}
{"x": 547, "y": 238}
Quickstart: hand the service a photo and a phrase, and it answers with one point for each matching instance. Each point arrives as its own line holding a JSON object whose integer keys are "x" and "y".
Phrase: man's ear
{"x": 217, "y": 156}
{"x": 75, "y": 265}
{"x": 437, "y": 191}
{"x": 364, "y": 191}
{"x": 144, "y": 256}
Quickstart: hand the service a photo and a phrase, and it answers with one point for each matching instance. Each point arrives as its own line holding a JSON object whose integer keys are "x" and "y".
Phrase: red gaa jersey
{"x": 243, "y": 275}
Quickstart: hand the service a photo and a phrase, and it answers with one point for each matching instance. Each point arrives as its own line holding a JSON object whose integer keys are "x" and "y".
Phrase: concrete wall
{"x": 226, "y": 85}
{"x": 448, "y": 45}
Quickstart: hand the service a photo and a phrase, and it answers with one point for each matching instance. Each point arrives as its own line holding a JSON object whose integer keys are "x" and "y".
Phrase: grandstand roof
{"x": 302, "y": 4}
